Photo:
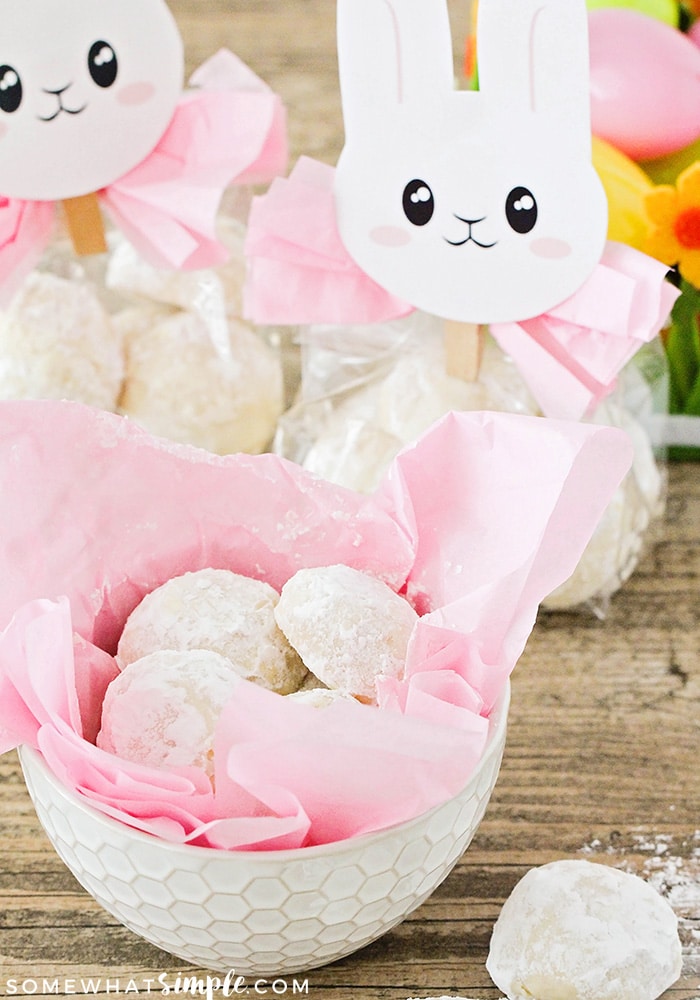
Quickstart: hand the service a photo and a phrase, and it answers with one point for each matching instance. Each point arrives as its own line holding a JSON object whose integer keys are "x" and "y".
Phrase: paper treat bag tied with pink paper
{"x": 474, "y": 525}
{"x": 123, "y": 195}
{"x": 463, "y": 226}
{"x": 480, "y": 207}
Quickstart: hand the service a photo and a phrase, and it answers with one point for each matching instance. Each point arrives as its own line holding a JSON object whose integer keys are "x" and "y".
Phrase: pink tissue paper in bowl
{"x": 476, "y": 523}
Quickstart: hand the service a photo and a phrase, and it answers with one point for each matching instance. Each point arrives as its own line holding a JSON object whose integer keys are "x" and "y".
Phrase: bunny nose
{"x": 56, "y": 90}
{"x": 469, "y": 222}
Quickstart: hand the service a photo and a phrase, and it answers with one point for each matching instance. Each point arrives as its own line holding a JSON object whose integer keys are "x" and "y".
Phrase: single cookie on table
{"x": 57, "y": 342}
{"x": 221, "y": 611}
{"x": 349, "y": 628}
{"x": 181, "y": 384}
{"x": 163, "y": 709}
{"x": 576, "y": 930}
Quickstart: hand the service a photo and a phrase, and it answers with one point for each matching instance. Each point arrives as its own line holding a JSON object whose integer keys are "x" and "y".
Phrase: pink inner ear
{"x": 389, "y": 236}
{"x": 550, "y": 248}
{"x": 136, "y": 93}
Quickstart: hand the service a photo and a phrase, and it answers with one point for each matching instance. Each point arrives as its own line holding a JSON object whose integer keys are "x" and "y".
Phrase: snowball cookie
{"x": 349, "y": 628}
{"x": 57, "y": 342}
{"x": 221, "y": 611}
{"x": 575, "y": 930}
{"x": 319, "y": 697}
{"x": 616, "y": 546}
{"x": 353, "y": 454}
{"x": 162, "y": 710}
{"x": 220, "y": 287}
{"x": 354, "y": 444}
{"x": 180, "y": 385}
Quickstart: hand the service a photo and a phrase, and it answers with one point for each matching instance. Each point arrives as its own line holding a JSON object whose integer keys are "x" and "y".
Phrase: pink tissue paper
{"x": 476, "y": 523}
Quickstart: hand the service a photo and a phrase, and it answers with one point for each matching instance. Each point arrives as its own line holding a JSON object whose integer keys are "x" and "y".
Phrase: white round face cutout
{"x": 87, "y": 89}
{"x": 481, "y": 206}
{"x": 470, "y": 218}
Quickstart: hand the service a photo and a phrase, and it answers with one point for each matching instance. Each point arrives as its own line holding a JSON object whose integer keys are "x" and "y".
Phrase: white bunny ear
{"x": 533, "y": 55}
{"x": 390, "y": 52}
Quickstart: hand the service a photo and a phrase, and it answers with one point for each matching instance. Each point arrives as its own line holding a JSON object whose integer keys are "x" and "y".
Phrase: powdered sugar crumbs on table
{"x": 671, "y": 864}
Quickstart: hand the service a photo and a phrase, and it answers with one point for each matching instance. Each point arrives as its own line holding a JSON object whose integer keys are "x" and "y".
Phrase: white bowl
{"x": 262, "y": 913}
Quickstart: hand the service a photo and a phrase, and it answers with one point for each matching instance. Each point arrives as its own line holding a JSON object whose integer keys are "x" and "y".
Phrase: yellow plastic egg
{"x": 625, "y": 185}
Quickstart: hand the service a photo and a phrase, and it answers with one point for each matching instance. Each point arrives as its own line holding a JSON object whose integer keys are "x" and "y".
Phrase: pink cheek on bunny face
{"x": 389, "y": 236}
{"x": 3, "y": 129}
{"x": 136, "y": 93}
{"x": 550, "y": 248}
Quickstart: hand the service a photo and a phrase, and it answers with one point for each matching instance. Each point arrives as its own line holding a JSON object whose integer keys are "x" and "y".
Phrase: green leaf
{"x": 682, "y": 345}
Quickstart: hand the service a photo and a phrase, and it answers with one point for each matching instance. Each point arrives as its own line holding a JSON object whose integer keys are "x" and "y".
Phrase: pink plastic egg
{"x": 645, "y": 83}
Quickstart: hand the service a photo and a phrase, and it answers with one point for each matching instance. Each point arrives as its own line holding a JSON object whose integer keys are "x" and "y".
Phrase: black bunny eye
{"x": 521, "y": 210}
{"x": 10, "y": 89}
{"x": 102, "y": 64}
{"x": 418, "y": 203}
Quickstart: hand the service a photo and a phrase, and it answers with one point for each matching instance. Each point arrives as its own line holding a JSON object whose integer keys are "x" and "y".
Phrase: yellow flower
{"x": 674, "y": 213}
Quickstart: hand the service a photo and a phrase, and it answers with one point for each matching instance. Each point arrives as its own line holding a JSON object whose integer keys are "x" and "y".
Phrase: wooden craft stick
{"x": 85, "y": 224}
{"x": 464, "y": 345}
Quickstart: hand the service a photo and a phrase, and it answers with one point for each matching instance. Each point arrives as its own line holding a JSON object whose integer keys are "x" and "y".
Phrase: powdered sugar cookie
{"x": 57, "y": 342}
{"x": 181, "y": 385}
{"x": 218, "y": 610}
{"x": 162, "y": 710}
{"x": 319, "y": 697}
{"x": 575, "y": 930}
{"x": 349, "y": 628}
{"x": 129, "y": 273}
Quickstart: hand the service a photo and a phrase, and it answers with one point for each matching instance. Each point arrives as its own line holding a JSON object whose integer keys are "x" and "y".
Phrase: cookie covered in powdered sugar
{"x": 163, "y": 709}
{"x": 180, "y": 384}
{"x": 577, "y": 930}
{"x": 58, "y": 342}
{"x": 348, "y": 627}
{"x": 221, "y": 611}
{"x": 319, "y": 697}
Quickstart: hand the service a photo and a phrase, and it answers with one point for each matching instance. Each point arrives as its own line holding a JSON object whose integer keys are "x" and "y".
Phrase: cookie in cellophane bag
{"x": 369, "y": 391}
{"x": 123, "y": 154}
{"x": 449, "y": 213}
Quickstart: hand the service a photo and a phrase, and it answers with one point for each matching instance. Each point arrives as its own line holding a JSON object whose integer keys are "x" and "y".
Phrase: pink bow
{"x": 300, "y": 272}
{"x": 231, "y": 129}
{"x": 571, "y": 356}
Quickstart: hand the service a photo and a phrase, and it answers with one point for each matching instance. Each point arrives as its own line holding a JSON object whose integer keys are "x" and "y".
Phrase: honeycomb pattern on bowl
{"x": 261, "y": 913}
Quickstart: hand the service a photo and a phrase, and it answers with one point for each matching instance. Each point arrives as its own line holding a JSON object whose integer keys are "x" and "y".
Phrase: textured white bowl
{"x": 262, "y": 913}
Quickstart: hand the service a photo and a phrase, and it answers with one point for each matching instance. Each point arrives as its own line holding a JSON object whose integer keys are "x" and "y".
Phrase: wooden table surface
{"x": 604, "y": 737}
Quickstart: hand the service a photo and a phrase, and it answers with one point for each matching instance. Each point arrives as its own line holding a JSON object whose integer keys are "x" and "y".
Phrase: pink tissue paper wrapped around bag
{"x": 299, "y": 272}
{"x": 229, "y": 129}
{"x": 476, "y": 523}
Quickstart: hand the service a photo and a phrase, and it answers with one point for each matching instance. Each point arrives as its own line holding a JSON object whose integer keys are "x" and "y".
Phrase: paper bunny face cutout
{"x": 87, "y": 88}
{"x": 476, "y": 206}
